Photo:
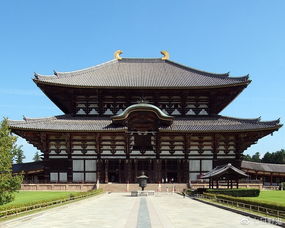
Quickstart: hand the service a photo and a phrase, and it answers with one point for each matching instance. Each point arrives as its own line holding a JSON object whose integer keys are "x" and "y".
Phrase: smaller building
{"x": 33, "y": 171}
{"x": 269, "y": 174}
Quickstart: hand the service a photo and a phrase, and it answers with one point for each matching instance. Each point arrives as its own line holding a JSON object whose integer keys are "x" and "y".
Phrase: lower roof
{"x": 217, "y": 123}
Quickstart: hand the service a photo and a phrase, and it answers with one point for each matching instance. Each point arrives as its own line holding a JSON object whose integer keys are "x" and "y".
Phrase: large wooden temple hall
{"x": 130, "y": 115}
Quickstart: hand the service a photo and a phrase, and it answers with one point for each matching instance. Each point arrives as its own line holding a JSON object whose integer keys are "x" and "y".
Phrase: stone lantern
{"x": 142, "y": 179}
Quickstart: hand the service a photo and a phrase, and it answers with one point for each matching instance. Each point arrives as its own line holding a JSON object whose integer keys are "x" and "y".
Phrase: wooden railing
{"x": 250, "y": 207}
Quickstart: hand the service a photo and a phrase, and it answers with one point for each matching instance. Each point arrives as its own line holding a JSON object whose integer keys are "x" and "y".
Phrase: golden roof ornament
{"x": 165, "y": 55}
{"x": 117, "y": 55}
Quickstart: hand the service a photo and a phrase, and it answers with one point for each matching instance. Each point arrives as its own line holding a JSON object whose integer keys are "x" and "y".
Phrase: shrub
{"x": 243, "y": 192}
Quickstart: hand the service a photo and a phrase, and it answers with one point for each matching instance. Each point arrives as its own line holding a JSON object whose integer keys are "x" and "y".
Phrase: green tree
{"x": 37, "y": 157}
{"x": 18, "y": 154}
{"x": 9, "y": 183}
{"x": 268, "y": 158}
{"x": 277, "y": 157}
{"x": 247, "y": 157}
{"x": 256, "y": 157}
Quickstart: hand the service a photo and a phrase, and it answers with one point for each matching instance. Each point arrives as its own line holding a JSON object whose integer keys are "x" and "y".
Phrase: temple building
{"x": 130, "y": 115}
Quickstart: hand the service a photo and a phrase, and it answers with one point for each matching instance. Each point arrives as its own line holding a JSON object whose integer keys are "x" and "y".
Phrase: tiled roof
{"x": 221, "y": 170}
{"x": 190, "y": 124}
{"x": 29, "y": 166}
{"x": 140, "y": 73}
{"x": 265, "y": 167}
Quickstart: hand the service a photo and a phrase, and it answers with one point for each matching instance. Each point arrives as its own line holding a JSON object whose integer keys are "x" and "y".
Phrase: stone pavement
{"x": 119, "y": 210}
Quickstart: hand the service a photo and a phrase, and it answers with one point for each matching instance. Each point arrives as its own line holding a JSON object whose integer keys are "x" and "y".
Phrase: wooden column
{"x": 98, "y": 170}
{"x": 126, "y": 170}
{"x": 159, "y": 171}
{"x": 179, "y": 170}
{"x": 165, "y": 171}
{"x": 120, "y": 172}
{"x": 271, "y": 179}
{"x": 150, "y": 174}
{"x": 106, "y": 171}
{"x": 45, "y": 150}
{"x": 68, "y": 150}
{"x": 136, "y": 169}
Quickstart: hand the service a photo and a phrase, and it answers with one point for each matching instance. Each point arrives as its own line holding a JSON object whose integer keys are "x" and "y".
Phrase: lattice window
{"x": 84, "y": 170}
{"x": 58, "y": 177}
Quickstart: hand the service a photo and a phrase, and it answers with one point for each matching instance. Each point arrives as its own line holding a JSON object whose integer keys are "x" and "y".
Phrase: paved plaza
{"x": 119, "y": 210}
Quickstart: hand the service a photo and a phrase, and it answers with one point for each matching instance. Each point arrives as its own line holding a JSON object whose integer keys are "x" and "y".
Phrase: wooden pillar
{"x": 165, "y": 171}
{"x": 231, "y": 183}
{"x": 126, "y": 170}
{"x": 45, "y": 150}
{"x": 217, "y": 183}
{"x": 237, "y": 182}
{"x": 98, "y": 170}
{"x": 120, "y": 172}
{"x": 106, "y": 171}
{"x": 179, "y": 170}
{"x": 159, "y": 171}
{"x": 68, "y": 150}
{"x": 150, "y": 176}
{"x": 136, "y": 169}
{"x": 187, "y": 177}
{"x": 228, "y": 184}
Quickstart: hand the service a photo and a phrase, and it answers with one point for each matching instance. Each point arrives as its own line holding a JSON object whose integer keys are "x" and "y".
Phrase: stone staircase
{"x": 115, "y": 187}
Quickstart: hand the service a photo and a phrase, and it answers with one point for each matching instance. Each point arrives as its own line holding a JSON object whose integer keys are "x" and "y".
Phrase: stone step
{"x": 114, "y": 187}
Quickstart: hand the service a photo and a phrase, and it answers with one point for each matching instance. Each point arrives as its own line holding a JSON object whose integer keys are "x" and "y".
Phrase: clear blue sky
{"x": 243, "y": 37}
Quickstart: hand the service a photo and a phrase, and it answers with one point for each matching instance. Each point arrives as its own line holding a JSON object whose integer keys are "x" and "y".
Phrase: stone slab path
{"x": 119, "y": 210}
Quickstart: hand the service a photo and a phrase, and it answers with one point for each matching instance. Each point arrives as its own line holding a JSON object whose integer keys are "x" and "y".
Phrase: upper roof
{"x": 190, "y": 124}
{"x": 265, "y": 167}
{"x": 140, "y": 73}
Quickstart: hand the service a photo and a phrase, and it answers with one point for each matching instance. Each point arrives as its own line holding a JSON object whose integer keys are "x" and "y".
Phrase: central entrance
{"x": 158, "y": 170}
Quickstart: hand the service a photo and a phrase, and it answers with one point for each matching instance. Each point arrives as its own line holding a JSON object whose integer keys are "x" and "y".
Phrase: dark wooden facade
{"x": 113, "y": 133}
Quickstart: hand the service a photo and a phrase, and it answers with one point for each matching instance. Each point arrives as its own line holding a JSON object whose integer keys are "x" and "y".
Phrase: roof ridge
{"x": 71, "y": 73}
{"x": 219, "y": 75}
{"x": 255, "y": 120}
{"x": 263, "y": 163}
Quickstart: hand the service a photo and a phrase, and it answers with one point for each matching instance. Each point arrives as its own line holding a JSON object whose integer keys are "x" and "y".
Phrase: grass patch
{"x": 270, "y": 197}
{"x": 18, "y": 212}
{"x": 24, "y": 197}
{"x": 243, "y": 209}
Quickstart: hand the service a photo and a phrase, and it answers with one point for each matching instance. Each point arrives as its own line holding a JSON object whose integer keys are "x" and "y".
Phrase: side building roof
{"x": 140, "y": 73}
{"x": 37, "y": 166}
{"x": 190, "y": 124}
{"x": 264, "y": 167}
